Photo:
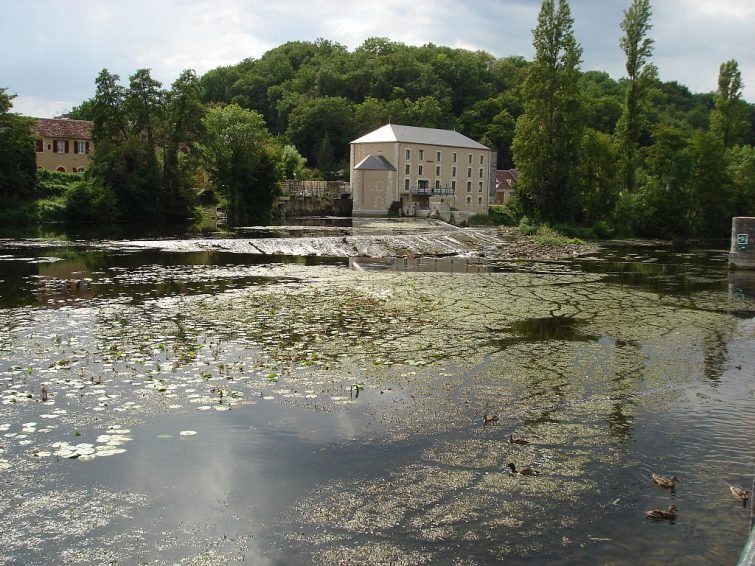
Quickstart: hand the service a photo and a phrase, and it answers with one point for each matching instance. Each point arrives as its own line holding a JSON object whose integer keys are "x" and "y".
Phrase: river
{"x": 315, "y": 394}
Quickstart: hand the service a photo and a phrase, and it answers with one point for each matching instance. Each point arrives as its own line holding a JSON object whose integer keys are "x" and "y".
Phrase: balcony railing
{"x": 430, "y": 191}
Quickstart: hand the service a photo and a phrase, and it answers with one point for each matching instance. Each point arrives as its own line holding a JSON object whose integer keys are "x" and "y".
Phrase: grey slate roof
{"x": 374, "y": 163}
{"x": 412, "y": 134}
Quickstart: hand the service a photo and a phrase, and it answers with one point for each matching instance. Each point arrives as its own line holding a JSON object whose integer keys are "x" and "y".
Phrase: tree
{"x": 548, "y": 134}
{"x": 293, "y": 163}
{"x": 242, "y": 161}
{"x": 108, "y": 116}
{"x": 326, "y": 159}
{"x": 124, "y": 126}
{"x": 597, "y": 176}
{"x": 641, "y": 74}
{"x": 18, "y": 163}
{"x": 728, "y": 120}
{"x": 183, "y": 127}
{"x": 712, "y": 195}
{"x": 312, "y": 118}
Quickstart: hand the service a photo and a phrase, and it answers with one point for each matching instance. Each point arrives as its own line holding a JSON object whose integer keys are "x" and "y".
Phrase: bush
{"x": 502, "y": 216}
{"x": 480, "y": 220}
{"x": 54, "y": 184}
{"x": 552, "y": 237}
{"x": 526, "y": 226}
{"x": 90, "y": 203}
{"x": 603, "y": 230}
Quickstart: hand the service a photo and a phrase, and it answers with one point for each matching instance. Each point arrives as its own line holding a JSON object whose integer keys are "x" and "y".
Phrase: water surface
{"x": 332, "y": 410}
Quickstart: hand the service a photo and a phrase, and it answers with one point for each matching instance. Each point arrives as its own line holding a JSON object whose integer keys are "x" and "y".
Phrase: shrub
{"x": 552, "y": 237}
{"x": 90, "y": 203}
{"x": 53, "y": 183}
{"x": 502, "y": 216}
{"x": 526, "y": 226}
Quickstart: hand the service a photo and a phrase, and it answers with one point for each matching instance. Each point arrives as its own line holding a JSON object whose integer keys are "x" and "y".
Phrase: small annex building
{"x": 420, "y": 172}
{"x": 63, "y": 145}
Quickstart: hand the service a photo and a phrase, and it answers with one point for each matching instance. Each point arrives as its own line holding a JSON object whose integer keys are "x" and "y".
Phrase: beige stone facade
{"x": 424, "y": 172}
{"x": 63, "y": 145}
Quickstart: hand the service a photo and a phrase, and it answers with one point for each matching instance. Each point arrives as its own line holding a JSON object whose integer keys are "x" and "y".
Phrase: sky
{"x": 54, "y": 49}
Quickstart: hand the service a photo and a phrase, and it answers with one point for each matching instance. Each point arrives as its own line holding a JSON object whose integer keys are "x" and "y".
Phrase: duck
{"x": 525, "y": 471}
{"x": 513, "y": 440}
{"x": 665, "y": 481}
{"x": 657, "y": 514}
{"x": 489, "y": 419}
{"x": 739, "y": 492}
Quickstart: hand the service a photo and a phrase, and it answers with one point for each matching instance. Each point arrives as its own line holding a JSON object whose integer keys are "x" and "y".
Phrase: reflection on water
{"x": 420, "y": 264}
{"x": 638, "y": 360}
{"x": 742, "y": 292}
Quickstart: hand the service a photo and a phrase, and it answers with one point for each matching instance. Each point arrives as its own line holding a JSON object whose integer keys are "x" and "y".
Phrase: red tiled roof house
{"x": 63, "y": 145}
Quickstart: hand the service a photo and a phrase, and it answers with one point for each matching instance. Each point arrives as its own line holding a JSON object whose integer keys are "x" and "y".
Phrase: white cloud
{"x": 66, "y": 45}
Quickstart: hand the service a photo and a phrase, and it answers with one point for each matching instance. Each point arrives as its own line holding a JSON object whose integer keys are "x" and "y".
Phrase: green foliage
{"x": 53, "y": 183}
{"x": 526, "y": 226}
{"x": 548, "y": 134}
{"x": 729, "y": 118}
{"x": 502, "y": 216}
{"x": 90, "y": 203}
{"x": 641, "y": 75}
{"x": 551, "y": 237}
{"x": 17, "y": 157}
{"x": 244, "y": 165}
{"x": 313, "y": 118}
{"x": 293, "y": 163}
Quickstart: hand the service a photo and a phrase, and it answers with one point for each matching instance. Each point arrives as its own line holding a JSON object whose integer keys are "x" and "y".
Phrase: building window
{"x": 479, "y": 200}
{"x": 61, "y": 169}
{"x": 81, "y": 169}
{"x": 480, "y": 188}
{"x": 437, "y": 170}
{"x": 481, "y": 170}
{"x": 437, "y": 183}
{"x": 60, "y": 146}
{"x": 406, "y": 185}
{"x": 408, "y": 169}
{"x": 437, "y": 156}
{"x": 421, "y": 154}
{"x": 482, "y": 160}
{"x": 408, "y": 154}
{"x": 469, "y": 159}
{"x": 469, "y": 186}
{"x": 40, "y": 146}
{"x": 454, "y": 159}
{"x": 81, "y": 147}
{"x": 420, "y": 170}
{"x": 469, "y": 171}
{"x": 469, "y": 200}
{"x": 453, "y": 172}
{"x": 453, "y": 186}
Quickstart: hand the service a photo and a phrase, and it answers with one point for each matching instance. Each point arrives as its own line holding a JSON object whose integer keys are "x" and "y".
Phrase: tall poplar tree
{"x": 728, "y": 120}
{"x": 548, "y": 133}
{"x": 641, "y": 74}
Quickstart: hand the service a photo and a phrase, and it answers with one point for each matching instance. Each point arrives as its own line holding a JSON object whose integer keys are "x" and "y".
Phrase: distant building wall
{"x": 63, "y": 145}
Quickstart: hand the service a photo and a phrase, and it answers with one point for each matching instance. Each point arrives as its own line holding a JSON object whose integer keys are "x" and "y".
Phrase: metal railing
{"x": 430, "y": 191}
{"x": 315, "y": 189}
